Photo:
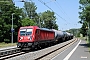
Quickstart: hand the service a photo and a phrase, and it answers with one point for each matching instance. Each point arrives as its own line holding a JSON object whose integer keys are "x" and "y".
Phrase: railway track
{"x": 54, "y": 52}
{"x": 6, "y": 52}
{"x": 43, "y": 54}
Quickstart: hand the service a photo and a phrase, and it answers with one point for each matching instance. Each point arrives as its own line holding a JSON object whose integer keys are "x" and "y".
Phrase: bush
{"x": 88, "y": 36}
{"x": 6, "y": 40}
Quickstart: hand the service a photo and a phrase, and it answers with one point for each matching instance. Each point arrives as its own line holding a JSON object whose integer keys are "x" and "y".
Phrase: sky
{"x": 66, "y": 11}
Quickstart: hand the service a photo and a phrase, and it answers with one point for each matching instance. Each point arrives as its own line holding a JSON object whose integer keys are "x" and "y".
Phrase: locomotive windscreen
{"x": 25, "y": 32}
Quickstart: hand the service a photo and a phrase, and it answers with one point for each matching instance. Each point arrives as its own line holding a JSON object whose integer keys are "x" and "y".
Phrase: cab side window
{"x": 37, "y": 31}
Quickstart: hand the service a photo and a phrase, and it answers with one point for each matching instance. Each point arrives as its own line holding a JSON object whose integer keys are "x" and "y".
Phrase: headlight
{"x": 20, "y": 38}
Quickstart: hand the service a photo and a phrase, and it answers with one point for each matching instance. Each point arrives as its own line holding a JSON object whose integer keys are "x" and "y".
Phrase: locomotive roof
{"x": 36, "y": 27}
{"x": 29, "y": 27}
{"x": 45, "y": 29}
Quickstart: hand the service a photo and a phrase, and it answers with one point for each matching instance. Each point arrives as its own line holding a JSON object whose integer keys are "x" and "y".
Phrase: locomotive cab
{"x": 25, "y": 34}
{"x": 25, "y": 37}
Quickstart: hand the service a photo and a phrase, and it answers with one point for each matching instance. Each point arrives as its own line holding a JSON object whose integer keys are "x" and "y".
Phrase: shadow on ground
{"x": 85, "y": 45}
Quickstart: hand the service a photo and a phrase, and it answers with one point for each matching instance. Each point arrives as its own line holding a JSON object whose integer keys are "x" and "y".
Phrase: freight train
{"x": 33, "y": 36}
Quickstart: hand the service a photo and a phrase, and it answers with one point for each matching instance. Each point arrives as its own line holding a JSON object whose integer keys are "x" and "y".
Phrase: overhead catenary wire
{"x": 49, "y": 8}
{"x": 52, "y": 10}
{"x": 59, "y": 7}
{"x": 62, "y": 10}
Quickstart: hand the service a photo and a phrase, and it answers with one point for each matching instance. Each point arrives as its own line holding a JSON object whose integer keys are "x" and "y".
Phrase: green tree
{"x": 84, "y": 29}
{"x": 45, "y": 19}
{"x": 84, "y": 15}
{"x": 7, "y": 8}
{"x": 27, "y": 22}
{"x": 48, "y": 20}
{"x": 30, "y": 9}
{"x": 75, "y": 32}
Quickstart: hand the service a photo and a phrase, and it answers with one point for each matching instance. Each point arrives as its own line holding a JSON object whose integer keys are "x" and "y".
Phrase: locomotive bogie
{"x": 26, "y": 44}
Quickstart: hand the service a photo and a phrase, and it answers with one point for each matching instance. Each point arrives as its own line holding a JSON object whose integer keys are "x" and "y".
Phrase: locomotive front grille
{"x": 24, "y": 44}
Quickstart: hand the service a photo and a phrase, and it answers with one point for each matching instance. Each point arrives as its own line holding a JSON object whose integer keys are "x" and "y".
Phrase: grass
{"x": 2, "y": 45}
{"x": 82, "y": 38}
{"x": 88, "y": 42}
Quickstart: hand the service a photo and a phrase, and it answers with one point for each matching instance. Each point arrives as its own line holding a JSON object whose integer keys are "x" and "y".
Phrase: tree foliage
{"x": 84, "y": 29}
{"x": 84, "y": 15}
{"x": 26, "y": 16}
{"x": 48, "y": 20}
{"x": 30, "y": 9}
{"x": 28, "y": 22}
{"x": 75, "y": 32}
{"x": 45, "y": 19}
{"x": 6, "y": 19}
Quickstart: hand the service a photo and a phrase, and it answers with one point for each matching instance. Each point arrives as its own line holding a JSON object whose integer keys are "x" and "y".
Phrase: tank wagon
{"x": 59, "y": 35}
{"x": 69, "y": 36}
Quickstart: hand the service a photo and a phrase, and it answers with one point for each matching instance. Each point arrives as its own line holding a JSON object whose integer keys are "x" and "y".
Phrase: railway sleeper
{"x": 13, "y": 50}
{"x": 3, "y": 53}
{"x": 8, "y": 52}
{"x": 18, "y": 50}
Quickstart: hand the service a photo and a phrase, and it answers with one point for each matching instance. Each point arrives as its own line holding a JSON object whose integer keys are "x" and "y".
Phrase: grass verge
{"x": 2, "y": 45}
{"x": 87, "y": 40}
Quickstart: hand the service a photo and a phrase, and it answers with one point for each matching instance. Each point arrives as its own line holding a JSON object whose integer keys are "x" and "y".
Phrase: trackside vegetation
{"x": 84, "y": 15}
{"x": 3, "y": 44}
{"x": 25, "y": 16}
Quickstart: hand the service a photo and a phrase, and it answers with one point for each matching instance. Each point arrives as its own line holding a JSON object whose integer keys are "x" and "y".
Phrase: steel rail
{"x": 55, "y": 50}
{"x": 35, "y": 55}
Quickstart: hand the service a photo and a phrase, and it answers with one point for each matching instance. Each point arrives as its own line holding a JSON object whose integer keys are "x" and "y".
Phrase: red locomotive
{"x": 33, "y": 36}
